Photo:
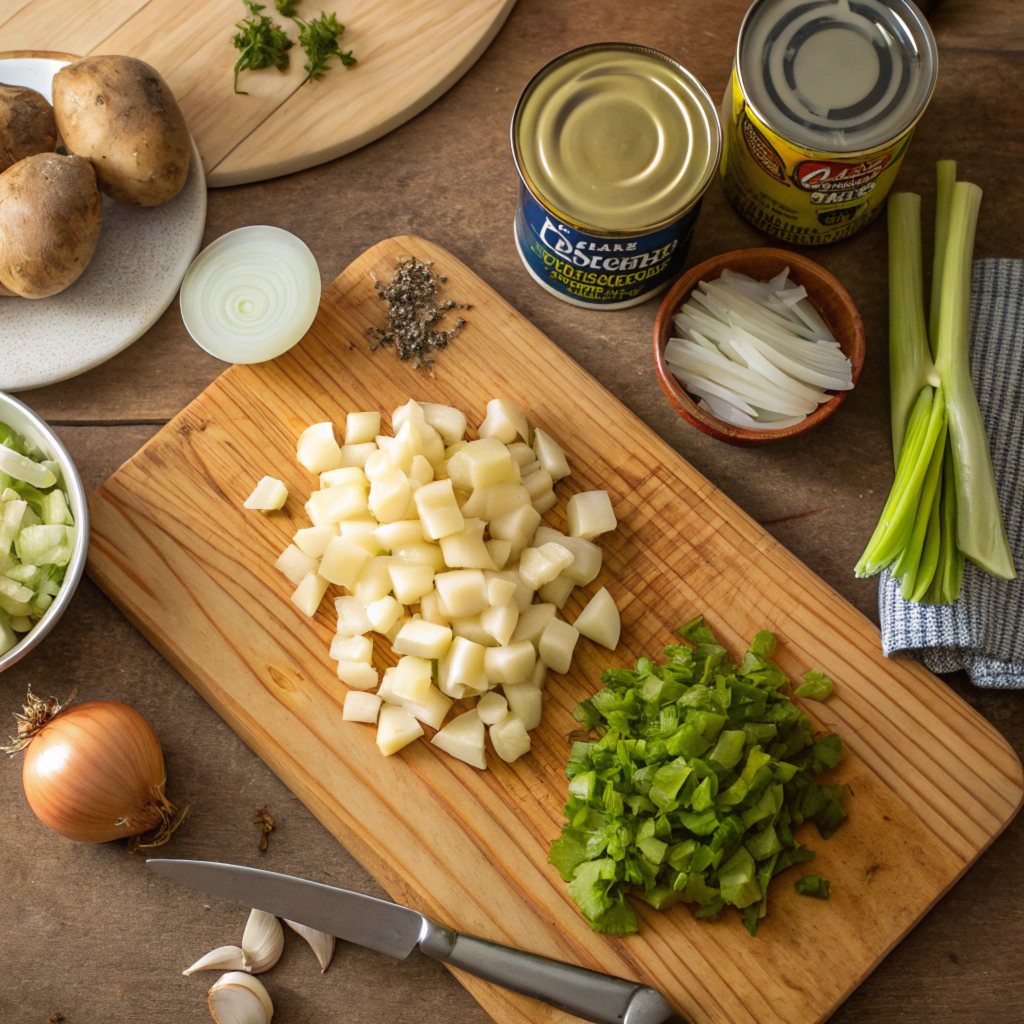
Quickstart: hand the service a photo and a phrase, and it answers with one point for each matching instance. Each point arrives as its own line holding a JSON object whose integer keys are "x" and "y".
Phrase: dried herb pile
{"x": 412, "y": 312}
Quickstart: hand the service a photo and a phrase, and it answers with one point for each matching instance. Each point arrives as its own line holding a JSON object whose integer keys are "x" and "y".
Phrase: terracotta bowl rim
{"x": 849, "y": 331}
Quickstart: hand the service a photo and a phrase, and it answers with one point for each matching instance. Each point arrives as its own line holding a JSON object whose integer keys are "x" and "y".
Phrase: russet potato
{"x": 27, "y": 125}
{"x": 50, "y": 217}
{"x": 121, "y": 116}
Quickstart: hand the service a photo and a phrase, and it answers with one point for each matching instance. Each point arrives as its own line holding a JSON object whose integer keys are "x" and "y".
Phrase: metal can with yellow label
{"x": 822, "y": 104}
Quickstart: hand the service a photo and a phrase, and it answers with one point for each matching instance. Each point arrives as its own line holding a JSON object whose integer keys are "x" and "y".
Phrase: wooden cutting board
{"x": 409, "y": 54}
{"x": 931, "y": 782}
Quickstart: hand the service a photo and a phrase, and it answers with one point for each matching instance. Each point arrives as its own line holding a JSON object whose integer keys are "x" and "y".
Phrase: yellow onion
{"x": 94, "y": 772}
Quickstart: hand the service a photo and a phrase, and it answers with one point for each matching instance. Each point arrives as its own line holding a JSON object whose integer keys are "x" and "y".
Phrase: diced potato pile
{"x": 439, "y": 541}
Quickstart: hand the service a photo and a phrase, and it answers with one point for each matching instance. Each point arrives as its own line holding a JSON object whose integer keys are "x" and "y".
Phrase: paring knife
{"x": 397, "y": 930}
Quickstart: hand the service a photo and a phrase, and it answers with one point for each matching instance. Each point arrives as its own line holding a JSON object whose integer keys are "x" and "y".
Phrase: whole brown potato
{"x": 120, "y": 115}
{"x": 26, "y": 125}
{"x": 50, "y": 215}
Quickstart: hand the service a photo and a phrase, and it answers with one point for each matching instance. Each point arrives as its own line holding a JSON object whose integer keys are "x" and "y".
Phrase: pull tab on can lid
{"x": 840, "y": 76}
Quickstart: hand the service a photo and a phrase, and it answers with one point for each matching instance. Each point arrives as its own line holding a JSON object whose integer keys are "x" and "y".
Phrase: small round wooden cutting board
{"x": 408, "y": 53}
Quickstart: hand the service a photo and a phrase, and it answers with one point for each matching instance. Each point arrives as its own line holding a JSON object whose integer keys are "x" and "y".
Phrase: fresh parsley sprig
{"x": 319, "y": 38}
{"x": 260, "y": 42}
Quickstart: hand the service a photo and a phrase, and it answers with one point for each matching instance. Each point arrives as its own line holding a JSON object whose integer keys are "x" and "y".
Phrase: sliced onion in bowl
{"x": 251, "y": 295}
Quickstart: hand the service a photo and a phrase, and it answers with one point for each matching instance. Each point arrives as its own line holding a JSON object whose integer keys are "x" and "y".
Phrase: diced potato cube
{"x": 410, "y": 582}
{"x": 532, "y": 623}
{"x": 400, "y": 533}
{"x": 378, "y": 464}
{"x": 309, "y": 593}
{"x": 357, "y": 674}
{"x": 396, "y": 729}
{"x": 500, "y": 591}
{"x": 361, "y": 707}
{"x": 463, "y": 738}
{"x": 342, "y": 562}
{"x": 423, "y": 639}
{"x": 313, "y": 540}
{"x": 488, "y": 462}
{"x": 510, "y": 738}
{"x": 352, "y": 617}
{"x": 492, "y": 708}
{"x": 267, "y": 496}
{"x": 360, "y": 532}
{"x": 457, "y": 467}
{"x": 463, "y": 592}
{"x": 517, "y": 527}
{"x": 448, "y": 422}
{"x": 390, "y": 496}
{"x": 588, "y": 556}
{"x": 361, "y": 427}
{"x": 500, "y": 622}
{"x": 317, "y": 449}
{"x": 472, "y": 629}
{"x": 383, "y": 443}
{"x": 538, "y": 566}
{"x": 295, "y": 564}
{"x": 466, "y": 550}
{"x": 374, "y": 580}
{"x": 431, "y": 610}
{"x": 526, "y": 702}
{"x": 557, "y": 591}
{"x": 352, "y": 648}
{"x": 461, "y": 672}
{"x": 405, "y": 447}
{"x": 499, "y": 551}
{"x": 600, "y": 620}
{"x": 333, "y": 504}
{"x": 383, "y": 613}
{"x": 545, "y": 502}
{"x": 538, "y": 484}
{"x": 384, "y": 691}
{"x": 412, "y": 679}
{"x": 505, "y": 421}
{"x": 421, "y": 470}
{"x": 346, "y": 475}
{"x": 550, "y": 454}
{"x": 511, "y": 664}
{"x": 423, "y": 553}
{"x": 397, "y": 628}
{"x": 496, "y": 500}
{"x": 522, "y": 596}
{"x": 522, "y": 454}
{"x": 432, "y": 709}
{"x": 412, "y": 413}
{"x": 433, "y": 448}
{"x": 438, "y": 509}
{"x": 357, "y": 454}
{"x": 556, "y": 645}
{"x": 539, "y": 675}
{"x": 590, "y": 514}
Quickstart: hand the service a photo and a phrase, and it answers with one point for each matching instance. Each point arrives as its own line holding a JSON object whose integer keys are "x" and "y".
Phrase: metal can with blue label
{"x": 615, "y": 145}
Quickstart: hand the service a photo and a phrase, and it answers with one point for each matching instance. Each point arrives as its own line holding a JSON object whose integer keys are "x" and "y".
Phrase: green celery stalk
{"x": 945, "y": 173}
{"x": 929, "y": 564}
{"x": 980, "y": 533}
{"x": 910, "y": 358}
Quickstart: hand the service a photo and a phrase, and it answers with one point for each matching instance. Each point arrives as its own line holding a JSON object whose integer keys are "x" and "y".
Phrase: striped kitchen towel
{"x": 983, "y": 632}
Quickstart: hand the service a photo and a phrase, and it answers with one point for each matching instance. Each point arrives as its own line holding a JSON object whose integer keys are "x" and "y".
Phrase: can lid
{"x": 842, "y": 76}
{"x": 616, "y": 138}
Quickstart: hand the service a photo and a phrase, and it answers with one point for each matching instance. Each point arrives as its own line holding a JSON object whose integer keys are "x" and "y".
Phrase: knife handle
{"x": 587, "y": 994}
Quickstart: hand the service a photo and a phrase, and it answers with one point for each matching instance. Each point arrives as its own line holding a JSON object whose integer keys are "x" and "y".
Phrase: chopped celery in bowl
{"x": 44, "y": 529}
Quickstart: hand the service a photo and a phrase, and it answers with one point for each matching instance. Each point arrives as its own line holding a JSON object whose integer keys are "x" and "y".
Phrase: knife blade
{"x": 396, "y": 930}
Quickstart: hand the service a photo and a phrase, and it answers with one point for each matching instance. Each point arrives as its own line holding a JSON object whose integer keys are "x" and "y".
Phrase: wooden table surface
{"x": 89, "y": 934}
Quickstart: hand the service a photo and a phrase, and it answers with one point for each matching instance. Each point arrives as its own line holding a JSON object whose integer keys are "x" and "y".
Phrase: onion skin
{"x": 96, "y": 773}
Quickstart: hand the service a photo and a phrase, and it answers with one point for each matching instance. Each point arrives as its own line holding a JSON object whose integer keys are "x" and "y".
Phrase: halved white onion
{"x": 251, "y": 295}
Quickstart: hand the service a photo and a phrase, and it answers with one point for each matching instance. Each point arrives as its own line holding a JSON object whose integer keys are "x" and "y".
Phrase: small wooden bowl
{"x": 827, "y": 295}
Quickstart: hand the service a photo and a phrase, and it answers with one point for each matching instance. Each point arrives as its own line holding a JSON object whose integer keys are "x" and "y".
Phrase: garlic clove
{"x": 223, "y": 958}
{"x": 262, "y": 942}
{"x": 239, "y": 998}
{"x": 321, "y": 943}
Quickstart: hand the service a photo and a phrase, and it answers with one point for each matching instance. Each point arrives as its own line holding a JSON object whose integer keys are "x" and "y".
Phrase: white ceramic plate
{"x": 132, "y": 278}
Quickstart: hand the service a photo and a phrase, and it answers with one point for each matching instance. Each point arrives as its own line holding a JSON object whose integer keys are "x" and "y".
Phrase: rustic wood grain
{"x": 932, "y": 782}
{"x": 407, "y": 55}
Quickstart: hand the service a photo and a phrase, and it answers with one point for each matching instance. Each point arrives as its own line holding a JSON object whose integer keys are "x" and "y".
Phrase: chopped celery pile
{"x": 37, "y": 535}
{"x": 699, "y": 774}
{"x": 943, "y": 506}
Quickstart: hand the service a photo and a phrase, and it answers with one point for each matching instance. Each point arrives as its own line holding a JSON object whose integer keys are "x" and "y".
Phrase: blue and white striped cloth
{"x": 983, "y": 632}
